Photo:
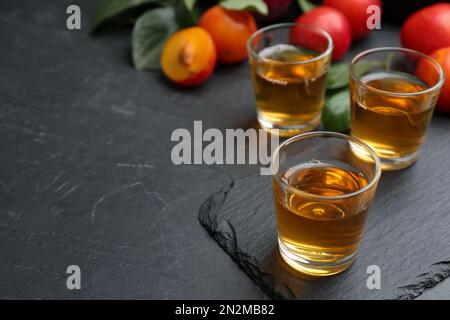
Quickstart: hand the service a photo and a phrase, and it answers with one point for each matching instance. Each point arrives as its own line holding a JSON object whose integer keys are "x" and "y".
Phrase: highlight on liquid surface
{"x": 288, "y": 95}
{"x": 394, "y": 126}
{"x": 320, "y": 230}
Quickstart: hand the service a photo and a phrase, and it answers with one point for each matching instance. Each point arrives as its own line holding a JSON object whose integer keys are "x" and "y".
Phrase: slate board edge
{"x": 208, "y": 217}
{"x": 425, "y": 281}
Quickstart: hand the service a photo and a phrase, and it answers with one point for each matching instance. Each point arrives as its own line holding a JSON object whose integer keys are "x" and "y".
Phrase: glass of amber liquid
{"x": 393, "y": 94}
{"x": 289, "y": 63}
{"x": 323, "y": 184}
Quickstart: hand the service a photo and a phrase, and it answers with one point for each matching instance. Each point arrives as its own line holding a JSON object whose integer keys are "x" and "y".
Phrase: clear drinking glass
{"x": 289, "y": 63}
{"x": 323, "y": 185}
{"x": 393, "y": 94}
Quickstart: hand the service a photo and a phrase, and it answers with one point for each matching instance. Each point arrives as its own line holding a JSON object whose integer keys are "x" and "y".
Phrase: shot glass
{"x": 393, "y": 94}
{"x": 289, "y": 64}
{"x": 323, "y": 184}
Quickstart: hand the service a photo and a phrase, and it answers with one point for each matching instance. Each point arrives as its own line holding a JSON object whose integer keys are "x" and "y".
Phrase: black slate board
{"x": 407, "y": 232}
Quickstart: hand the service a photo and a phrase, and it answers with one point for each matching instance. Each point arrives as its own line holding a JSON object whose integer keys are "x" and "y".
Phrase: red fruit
{"x": 428, "y": 29}
{"x": 276, "y": 9}
{"x": 424, "y": 71}
{"x": 333, "y": 22}
{"x": 189, "y": 56}
{"x": 356, "y": 13}
{"x": 230, "y": 31}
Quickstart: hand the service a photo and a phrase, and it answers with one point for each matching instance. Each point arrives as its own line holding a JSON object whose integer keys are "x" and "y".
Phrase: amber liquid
{"x": 394, "y": 126}
{"x": 320, "y": 231}
{"x": 289, "y": 96}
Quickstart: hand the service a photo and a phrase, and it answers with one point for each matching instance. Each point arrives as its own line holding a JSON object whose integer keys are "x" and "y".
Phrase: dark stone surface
{"x": 406, "y": 232}
{"x": 85, "y": 170}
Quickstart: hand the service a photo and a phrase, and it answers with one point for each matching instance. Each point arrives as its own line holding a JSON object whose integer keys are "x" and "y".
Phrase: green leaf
{"x": 338, "y": 76}
{"x": 336, "y": 112}
{"x": 116, "y": 9}
{"x": 190, "y": 4}
{"x": 149, "y": 35}
{"x": 252, "y": 5}
{"x": 305, "y": 5}
{"x": 184, "y": 12}
{"x": 363, "y": 67}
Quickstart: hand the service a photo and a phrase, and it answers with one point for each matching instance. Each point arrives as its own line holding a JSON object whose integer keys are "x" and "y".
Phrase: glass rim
{"x": 436, "y": 86}
{"x": 263, "y": 30}
{"x": 322, "y": 134}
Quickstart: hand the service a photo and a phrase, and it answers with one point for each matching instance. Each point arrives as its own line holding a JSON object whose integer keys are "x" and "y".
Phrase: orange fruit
{"x": 230, "y": 31}
{"x": 424, "y": 73}
{"x": 189, "y": 56}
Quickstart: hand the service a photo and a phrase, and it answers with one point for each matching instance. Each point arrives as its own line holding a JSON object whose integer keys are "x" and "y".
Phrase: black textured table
{"x": 85, "y": 172}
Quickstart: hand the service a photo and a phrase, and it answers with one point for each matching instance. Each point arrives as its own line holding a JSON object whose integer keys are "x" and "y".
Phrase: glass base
{"x": 288, "y": 131}
{"x": 391, "y": 164}
{"x": 314, "y": 268}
